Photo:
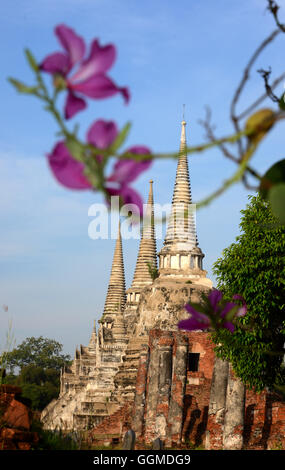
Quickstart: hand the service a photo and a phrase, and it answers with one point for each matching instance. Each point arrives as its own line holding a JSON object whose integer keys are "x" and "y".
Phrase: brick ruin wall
{"x": 15, "y": 420}
{"x": 172, "y": 402}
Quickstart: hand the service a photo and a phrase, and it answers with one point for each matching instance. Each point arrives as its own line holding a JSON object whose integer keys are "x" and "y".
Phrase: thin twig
{"x": 265, "y": 75}
{"x": 273, "y": 7}
{"x": 243, "y": 81}
{"x": 257, "y": 102}
{"x": 233, "y": 179}
{"x": 211, "y": 136}
{"x": 209, "y": 128}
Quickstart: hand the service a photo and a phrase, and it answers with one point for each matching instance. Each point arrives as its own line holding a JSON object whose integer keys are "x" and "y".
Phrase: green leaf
{"x": 22, "y": 88}
{"x": 232, "y": 313}
{"x": 121, "y": 137}
{"x": 75, "y": 148}
{"x": 275, "y": 175}
{"x": 153, "y": 271}
{"x": 277, "y": 200}
{"x": 259, "y": 123}
{"x": 253, "y": 267}
{"x": 32, "y": 61}
{"x": 282, "y": 102}
{"x": 92, "y": 177}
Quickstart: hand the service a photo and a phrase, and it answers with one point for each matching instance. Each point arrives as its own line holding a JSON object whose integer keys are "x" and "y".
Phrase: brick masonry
{"x": 112, "y": 428}
{"x": 172, "y": 402}
{"x": 15, "y": 421}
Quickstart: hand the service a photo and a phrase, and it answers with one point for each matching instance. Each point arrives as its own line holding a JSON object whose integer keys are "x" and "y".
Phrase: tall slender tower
{"x": 116, "y": 294}
{"x": 180, "y": 255}
{"x": 146, "y": 260}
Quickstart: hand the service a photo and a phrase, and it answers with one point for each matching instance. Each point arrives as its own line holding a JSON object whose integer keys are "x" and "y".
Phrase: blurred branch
{"x": 265, "y": 75}
{"x": 244, "y": 79}
{"x": 242, "y": 145}
{"x": 259, "y": 100}
{"x": 273, "y": 7}
{"x": 209, "y": 128}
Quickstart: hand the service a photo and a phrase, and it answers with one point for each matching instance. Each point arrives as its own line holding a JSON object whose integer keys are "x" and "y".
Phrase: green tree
{"x": 254, "y": 268}
{"x": 39, "y": 361}
{"x": 41, "y": 352}
{"x": 39, "y": 385}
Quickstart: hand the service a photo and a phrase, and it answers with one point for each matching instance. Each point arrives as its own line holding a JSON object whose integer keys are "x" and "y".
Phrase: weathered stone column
{"x": 164, "y": 383}
{"x": 140, "y": 396}
{"x": 152, "y": 387}
{"x": 234, "y": 415}
{"x": 179, "y": 376}
{"x": 217, "y": 405}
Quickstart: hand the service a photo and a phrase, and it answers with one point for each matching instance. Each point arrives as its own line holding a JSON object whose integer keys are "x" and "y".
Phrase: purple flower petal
{"x": 67, "y": 171}
{"x": 71, "y": 42}
{"x": 73, "y": 105}
{"x": 99, "y": 86}
{"x": 242, "y": 311}
{"x": 191, "y": 310}
{"x": 102, "y": 133}
{"x": 56, "y": 63}
{"x": 192, "y": 324}
{"x": 238, "y": 297}
{"x": 200, "y": 317}
{"x": 214, "y": 297}
{"x": 125, "y": 93}
{"x": 227, "y": 308}
{"x": 126, "y": 170}
{"x": 129, "y": 196}
{"x": 229, "y": 326}
{"x": 99, "y": 61}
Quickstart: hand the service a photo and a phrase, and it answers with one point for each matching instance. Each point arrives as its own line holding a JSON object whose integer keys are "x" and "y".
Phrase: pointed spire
{"x": 181, "y": 226}
{"x": 147, "y": 249}
{"x": 116, "y": 295}
{"x": 93, "y": 339}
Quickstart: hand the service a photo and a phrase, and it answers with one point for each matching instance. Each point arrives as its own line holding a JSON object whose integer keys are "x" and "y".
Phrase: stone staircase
{"x": 125, "y": 379}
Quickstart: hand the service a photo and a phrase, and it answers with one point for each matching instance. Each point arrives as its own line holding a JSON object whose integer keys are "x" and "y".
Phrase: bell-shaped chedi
{"x": 181, "y": 275}
{"x": 181, "y": 230}
{"x": 181, "y": 255}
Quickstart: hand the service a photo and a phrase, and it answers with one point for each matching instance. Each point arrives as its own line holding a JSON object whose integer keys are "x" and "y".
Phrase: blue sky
{"x": 52, "y": 276}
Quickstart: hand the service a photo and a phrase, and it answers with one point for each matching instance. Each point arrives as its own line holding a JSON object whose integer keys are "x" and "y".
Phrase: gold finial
{"x": 151, "y": 181}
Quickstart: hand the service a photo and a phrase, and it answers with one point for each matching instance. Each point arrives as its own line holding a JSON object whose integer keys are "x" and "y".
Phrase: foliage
{"x": 4, "y": 355}
{"x": 40, "y": 352}
{"x": 254, "y": 268}
{"x": 39, "y": 361}
{"x": 153, "y": 271}
{"x": 213, "y": 312}
{"x": 272, "y": 187}
{"x": 54, "y": 440}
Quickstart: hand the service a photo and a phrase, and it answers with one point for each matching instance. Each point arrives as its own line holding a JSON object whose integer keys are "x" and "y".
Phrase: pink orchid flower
{"x": 70, "y": 172}
{"x": 90, "y": 79}
{"x": 217, "y": 313}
